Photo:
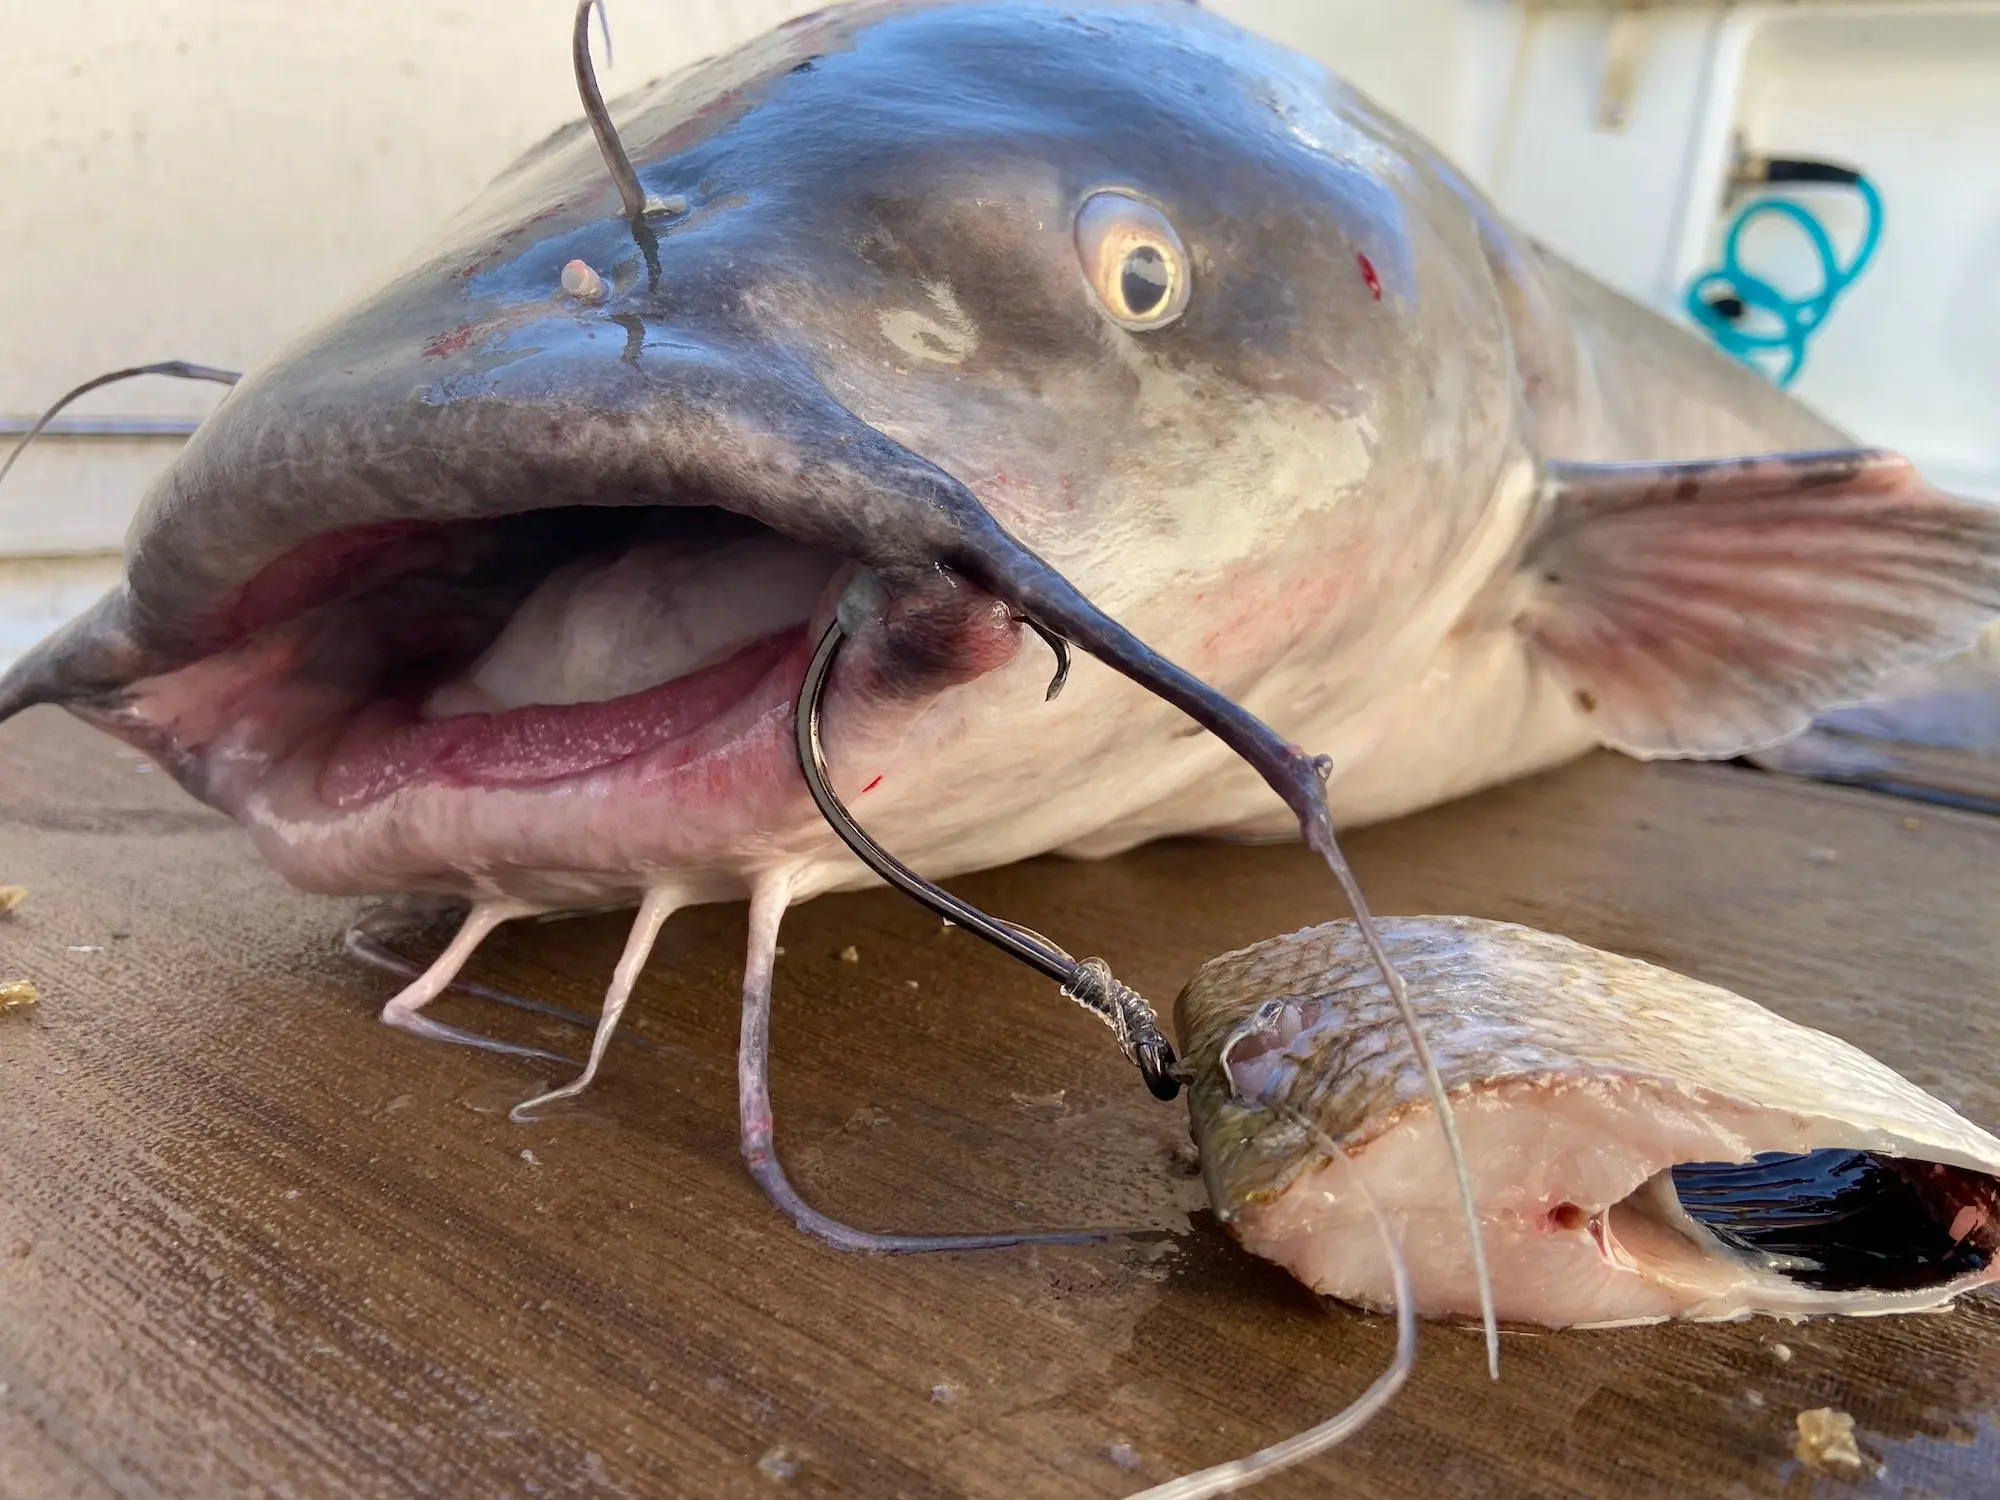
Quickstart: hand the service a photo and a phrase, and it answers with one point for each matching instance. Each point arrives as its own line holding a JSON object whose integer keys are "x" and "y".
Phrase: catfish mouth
{"x": 536, "y": 649}
{"x": 412, "y": 673}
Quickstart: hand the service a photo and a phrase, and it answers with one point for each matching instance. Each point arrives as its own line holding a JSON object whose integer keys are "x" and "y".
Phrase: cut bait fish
{"x": 1642, "y": 1146}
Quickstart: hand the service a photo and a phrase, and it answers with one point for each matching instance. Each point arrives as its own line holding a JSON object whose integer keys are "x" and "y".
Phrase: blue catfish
{"x": 942, "y": 320}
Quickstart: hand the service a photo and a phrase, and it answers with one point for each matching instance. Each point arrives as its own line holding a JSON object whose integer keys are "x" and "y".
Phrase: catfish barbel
{"x": 940, "y": 320}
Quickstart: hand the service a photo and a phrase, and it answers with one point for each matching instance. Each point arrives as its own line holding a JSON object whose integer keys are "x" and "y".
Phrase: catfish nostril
{"x": 580, "y": 281}
{"x": 1567, "y": 1216}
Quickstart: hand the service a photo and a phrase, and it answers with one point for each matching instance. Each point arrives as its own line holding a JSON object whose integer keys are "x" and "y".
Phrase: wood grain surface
{"x": 253, "y": 1243}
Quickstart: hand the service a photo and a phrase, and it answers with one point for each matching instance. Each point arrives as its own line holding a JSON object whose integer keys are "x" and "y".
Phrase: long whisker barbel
{"x": 177, "y": 369}
{"x": 1088, "y": 981}
{"x": 638, "y": 203}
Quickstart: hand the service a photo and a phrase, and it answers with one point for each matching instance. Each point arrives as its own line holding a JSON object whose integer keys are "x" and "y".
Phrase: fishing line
{"x": 1721, "y": 300}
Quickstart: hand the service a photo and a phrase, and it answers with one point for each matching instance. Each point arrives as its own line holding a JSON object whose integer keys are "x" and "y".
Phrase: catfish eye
{"x": 1133, "y": 260}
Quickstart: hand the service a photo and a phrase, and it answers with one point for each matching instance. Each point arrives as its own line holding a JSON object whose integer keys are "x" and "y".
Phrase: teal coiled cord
{"x": 1720, "y": 300}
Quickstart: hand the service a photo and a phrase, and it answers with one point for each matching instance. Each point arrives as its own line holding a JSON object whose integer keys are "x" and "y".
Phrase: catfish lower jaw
{"x": 921, "y": 645}
{"x": 391, "y": 746}
{"x": 354, "y": 779}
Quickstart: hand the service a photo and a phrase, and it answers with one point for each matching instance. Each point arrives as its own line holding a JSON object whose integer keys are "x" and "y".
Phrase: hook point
{"x": 1056, "y": 644}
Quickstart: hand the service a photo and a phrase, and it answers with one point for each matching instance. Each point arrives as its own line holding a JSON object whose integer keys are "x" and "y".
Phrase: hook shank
{"x": 1089, "y": 982}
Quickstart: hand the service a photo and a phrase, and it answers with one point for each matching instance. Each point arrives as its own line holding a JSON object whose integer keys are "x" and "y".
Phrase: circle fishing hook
{"x": 1058, "y": 646}
{"x": 1088, "y": 981}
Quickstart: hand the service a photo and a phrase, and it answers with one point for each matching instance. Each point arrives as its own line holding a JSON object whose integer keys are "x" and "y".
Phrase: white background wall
{"x": 1907, "y": 90}
{"x": 197, "y": 178}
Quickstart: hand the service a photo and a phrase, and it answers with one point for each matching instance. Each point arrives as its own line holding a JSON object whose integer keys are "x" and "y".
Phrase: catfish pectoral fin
{"x": 1704, "y": 609}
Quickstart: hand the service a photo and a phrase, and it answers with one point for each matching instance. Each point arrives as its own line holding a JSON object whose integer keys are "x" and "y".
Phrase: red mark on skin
{"x": 871, "y": 786}
{"x": 449, "y": 343}
{"x": 1368, "y": 275}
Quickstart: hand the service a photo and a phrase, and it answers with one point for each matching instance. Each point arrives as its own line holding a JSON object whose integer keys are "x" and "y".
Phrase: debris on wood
{"x": 18, "y": 994}
{"x": 1042, "y": 1104}
{"x": 1826, "y": 1442}
{"x": 779, "y": 1465}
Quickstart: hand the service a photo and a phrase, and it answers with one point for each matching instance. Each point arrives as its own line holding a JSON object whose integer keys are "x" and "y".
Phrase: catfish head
{"x": 505, "y": 579}
{"x": 938, "y": 318}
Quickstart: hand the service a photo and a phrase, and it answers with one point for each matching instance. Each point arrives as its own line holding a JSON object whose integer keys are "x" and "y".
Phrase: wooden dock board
{"x": 254, "y": 1243}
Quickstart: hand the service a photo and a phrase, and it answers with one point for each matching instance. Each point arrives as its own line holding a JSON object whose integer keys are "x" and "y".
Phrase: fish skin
{"x": 1323, "y": 502}
{"x": 1515, "y": 1016}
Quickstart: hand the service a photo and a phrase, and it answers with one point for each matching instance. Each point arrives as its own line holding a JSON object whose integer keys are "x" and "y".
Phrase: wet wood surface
{"x": 254, "y": 1243}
